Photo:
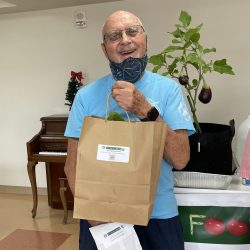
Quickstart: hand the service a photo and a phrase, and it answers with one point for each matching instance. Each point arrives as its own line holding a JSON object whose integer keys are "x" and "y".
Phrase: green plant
{"x": 114, "y": 116}
{"x": 184, "y": 57}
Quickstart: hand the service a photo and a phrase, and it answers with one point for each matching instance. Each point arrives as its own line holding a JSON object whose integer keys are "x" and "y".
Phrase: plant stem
{"x": 193, "y": 110}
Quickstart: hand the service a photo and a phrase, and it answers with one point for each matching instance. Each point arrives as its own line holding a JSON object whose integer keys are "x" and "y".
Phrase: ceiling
{"x": 14, "y": 6}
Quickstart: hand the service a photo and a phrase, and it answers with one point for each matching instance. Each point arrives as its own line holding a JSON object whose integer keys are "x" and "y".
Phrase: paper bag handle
{"x": 107, "y": 106}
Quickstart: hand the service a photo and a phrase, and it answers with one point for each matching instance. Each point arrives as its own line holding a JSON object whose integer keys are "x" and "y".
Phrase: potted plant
{"x": 184, "y": 59}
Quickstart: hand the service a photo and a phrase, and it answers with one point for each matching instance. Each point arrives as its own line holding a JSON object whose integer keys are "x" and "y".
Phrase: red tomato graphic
{"x": 214, "y": 226}
{"x": 237, "y": 227}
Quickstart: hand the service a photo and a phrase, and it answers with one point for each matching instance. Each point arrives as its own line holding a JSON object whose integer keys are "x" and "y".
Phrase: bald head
{"x": 123, "y": 37}
{"x": 120, "y": 17}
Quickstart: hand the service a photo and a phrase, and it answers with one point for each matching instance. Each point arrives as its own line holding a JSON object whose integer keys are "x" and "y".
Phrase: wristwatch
{"x": 152, "y": 115}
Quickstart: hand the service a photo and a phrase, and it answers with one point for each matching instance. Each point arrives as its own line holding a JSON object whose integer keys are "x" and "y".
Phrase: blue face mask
{"x": 131, "y": 69}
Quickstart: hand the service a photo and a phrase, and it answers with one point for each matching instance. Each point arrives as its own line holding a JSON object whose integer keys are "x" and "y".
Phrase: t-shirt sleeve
{"x": 76, "y": 117}
{"x": 176, "y": 113}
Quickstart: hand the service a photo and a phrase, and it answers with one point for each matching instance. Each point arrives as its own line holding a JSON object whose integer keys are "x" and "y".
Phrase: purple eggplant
{"x": 183, "y": 80}
{"x": 205, "y": 95}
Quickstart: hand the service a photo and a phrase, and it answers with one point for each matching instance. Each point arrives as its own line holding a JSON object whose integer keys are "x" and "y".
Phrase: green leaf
{"x": 194, "y": 58}
{"x": 165, "y": 73}
{"x": 195, "y": 37}
{"x": 156, "y": 68}
{"x": 195, "y": 82}
{"x": 157, "y": 59}
{"x": 190, "y": 33}
{"x": 200, "y": 48}
{"x": 195, "y": 65}
{"x": 176, "y": 41}
{"x": 181, "y": 59}
{"x": 177, "y": 33}
{"x": 187, "y": 44}
{"x": 205, "y": 51}
{"x": 222, "y": 67}
{"x": 185, "y": 18}
{"x": 172, "y": 66}
{"x": 172, "y": 48}
{"x": 114, "y": 116}
{"x": 198, "y": 28}
{"x": 206, "y": 68}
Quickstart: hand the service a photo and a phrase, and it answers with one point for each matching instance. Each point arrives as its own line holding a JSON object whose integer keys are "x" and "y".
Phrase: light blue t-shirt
{"x": 163, "y": 93}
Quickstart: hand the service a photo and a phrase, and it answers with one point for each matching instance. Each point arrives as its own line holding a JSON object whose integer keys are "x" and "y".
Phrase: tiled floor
{"x": 18, "y": 229}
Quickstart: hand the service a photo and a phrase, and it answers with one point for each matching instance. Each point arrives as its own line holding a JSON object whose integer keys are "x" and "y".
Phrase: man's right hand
{"x": 95, "y": 223}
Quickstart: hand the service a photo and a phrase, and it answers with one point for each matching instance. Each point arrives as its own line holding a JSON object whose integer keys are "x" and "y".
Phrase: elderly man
{"x": 148, "y": 97}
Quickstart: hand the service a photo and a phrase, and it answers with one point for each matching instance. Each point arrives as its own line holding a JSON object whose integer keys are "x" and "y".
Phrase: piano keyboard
{"x": 52, "y": 153}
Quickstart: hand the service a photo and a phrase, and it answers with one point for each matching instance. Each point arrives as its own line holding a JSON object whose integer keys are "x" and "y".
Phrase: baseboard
{"x": 21, "y": 190}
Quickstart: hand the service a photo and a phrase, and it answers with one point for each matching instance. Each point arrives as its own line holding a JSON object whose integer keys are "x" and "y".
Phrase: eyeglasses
{"x": 116, "y": 35}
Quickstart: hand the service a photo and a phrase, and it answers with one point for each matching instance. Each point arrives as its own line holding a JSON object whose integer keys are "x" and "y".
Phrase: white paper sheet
{"x": 115, "y": 236}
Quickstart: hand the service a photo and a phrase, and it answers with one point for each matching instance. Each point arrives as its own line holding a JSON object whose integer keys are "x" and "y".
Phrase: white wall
{"x": 39, "y": 49}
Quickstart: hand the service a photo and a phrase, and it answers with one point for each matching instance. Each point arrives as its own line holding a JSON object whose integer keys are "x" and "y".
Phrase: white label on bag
{"x": 113, "y": 153}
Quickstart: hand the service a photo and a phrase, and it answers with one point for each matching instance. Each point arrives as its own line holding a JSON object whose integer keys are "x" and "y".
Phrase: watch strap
{"x": 152, "y": 115}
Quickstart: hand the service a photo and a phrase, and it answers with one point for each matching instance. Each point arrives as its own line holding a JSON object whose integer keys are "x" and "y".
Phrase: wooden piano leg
{"x": 62, "y": 191}
{"x": 32, "y": 176}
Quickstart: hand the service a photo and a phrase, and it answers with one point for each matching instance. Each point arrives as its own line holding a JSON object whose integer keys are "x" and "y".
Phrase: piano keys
{"x": 49, "y": 146}
{"x": 52, "y": 153}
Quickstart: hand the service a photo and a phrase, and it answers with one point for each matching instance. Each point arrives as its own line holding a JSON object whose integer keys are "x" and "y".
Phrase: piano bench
{"x": 62, "y": 190}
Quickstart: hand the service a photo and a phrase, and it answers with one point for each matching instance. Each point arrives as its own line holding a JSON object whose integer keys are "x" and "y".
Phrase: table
{"x": 215, "y": 219}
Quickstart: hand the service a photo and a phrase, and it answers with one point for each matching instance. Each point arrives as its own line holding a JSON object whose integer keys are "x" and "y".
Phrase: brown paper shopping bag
{"x": 118, "y": 165}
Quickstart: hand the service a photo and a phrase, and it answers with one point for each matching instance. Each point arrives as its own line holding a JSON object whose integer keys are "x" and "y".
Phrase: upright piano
{"x": 49, "y": 146}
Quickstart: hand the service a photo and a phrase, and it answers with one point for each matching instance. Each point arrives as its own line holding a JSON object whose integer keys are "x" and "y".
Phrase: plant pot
{"x": 211, "y": 151}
